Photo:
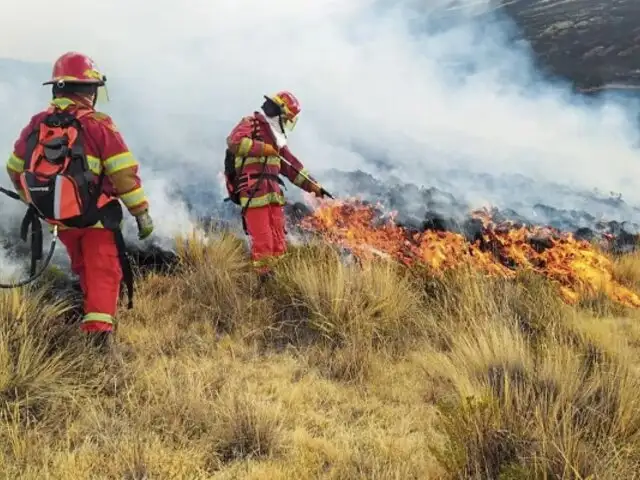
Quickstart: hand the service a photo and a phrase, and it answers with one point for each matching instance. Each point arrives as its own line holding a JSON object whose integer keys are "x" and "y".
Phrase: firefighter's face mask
{"x": 290, "y": 124}
{"x": 102, "y": 95}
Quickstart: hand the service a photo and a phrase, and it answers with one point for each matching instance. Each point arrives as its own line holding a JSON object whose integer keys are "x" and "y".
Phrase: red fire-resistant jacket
{"x": 249, "y": 139}
{"x": 106, "y": 151}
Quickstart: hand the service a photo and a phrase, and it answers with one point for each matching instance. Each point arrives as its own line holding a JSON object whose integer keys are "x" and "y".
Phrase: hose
{"x": 44, "y": 266}
{"x": 47, "y": 260}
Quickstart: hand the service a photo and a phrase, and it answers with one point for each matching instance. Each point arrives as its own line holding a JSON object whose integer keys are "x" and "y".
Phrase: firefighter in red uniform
{"x": 254, "y": 148}
{"x": 92, "y": 251}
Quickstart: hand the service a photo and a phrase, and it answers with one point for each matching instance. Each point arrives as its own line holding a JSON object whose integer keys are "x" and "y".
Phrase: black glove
{"x": 324, "y": 193}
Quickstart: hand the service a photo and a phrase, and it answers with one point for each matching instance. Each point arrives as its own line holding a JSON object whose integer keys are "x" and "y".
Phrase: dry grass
{"x": 334, "y": 370}
{"x": 627, "y": 269}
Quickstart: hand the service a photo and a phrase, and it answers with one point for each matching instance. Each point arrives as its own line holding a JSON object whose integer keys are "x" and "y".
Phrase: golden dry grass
{"x": 334, "y": 370}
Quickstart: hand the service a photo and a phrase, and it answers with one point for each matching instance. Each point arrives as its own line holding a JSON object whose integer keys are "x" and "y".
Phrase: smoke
{"x": 432, "y": 93}
{"x": 9, "y": 268}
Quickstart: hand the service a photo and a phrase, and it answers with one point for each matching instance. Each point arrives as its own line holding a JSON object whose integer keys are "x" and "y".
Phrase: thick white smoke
{"x": 405, "y": 89}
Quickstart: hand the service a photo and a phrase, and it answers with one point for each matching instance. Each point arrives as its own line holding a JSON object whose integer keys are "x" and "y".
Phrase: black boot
{"x": 101, "y": 341}
{"x": 265, "y": 277}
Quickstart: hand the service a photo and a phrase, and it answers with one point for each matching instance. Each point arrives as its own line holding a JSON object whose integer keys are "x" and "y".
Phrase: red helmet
{"x": 289, "y": 105}
{"x": 73, "y": 67}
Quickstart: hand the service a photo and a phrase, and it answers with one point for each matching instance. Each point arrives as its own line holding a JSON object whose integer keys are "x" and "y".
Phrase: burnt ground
{"x": 429, "y": 208}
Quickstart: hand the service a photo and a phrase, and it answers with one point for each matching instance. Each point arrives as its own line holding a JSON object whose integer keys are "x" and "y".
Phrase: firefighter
{"x": 253, "y": 168}
{"x": 93, "y": 250}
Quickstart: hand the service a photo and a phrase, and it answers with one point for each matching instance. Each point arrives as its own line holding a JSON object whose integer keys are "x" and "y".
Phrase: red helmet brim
{"x": 76, "y": 82}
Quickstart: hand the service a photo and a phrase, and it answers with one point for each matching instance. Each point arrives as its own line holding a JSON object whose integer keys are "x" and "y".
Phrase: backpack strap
{"x": 254, "y": 135}
{"x": 30, "y": 146}
{"x": 261, "y": 177}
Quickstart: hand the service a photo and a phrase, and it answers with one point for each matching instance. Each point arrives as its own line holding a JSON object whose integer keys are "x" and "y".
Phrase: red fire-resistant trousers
{"x": 94, "y": 258}
{"x": 266, "y": 228}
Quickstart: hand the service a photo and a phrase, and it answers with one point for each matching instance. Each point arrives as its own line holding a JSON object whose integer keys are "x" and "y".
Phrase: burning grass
{"x": 342, "y": 367}
{"x": 577, "y": 268}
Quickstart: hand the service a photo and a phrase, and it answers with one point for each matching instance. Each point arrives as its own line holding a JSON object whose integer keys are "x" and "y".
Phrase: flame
{"x": 574, "y": 265}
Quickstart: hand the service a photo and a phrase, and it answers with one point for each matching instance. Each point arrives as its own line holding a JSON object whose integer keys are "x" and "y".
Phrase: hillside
{"x": 589, "y": 42}
{"x": 337, "y": 369}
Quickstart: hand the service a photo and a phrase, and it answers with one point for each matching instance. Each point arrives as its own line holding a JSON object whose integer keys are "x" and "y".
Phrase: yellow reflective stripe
{"x": 98, "y": 317}
{"x": 62, "y": 102}
{"x": 245, "y": 146}
{"x": 15, "y": 163}
{"x": 94, "y": 164}
{"x": 263, "y": 265}
{"x": 301, "y": 177}
{"x": 268, "y": 260}
{"x": 64, "y": 227}
{"x": 119, "y": 162}
{"x": 134, "y": 198}
{"x": 266, "y": 199}
{"x": 274, "y": 161}
{"x": 95, "y": 225}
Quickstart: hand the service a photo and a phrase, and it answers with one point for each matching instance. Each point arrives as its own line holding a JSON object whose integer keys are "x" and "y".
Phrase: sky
{"x": 417, "y": 84}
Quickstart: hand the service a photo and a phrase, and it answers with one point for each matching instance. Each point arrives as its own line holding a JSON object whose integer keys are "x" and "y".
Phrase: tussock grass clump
{"x": 374, "y": 302}
{"x": 346, "y": 311}
{"x": 47, "y": 373}
{"x": 602, "y": 306}
{"x": 37, "y": 376}
{"x": 626, "y": 269}
{"x": 247, "y": 428}
{"x": 218, "y": 283}
{"x": 461, "y": 298}
{"x": 536, "y": 414}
